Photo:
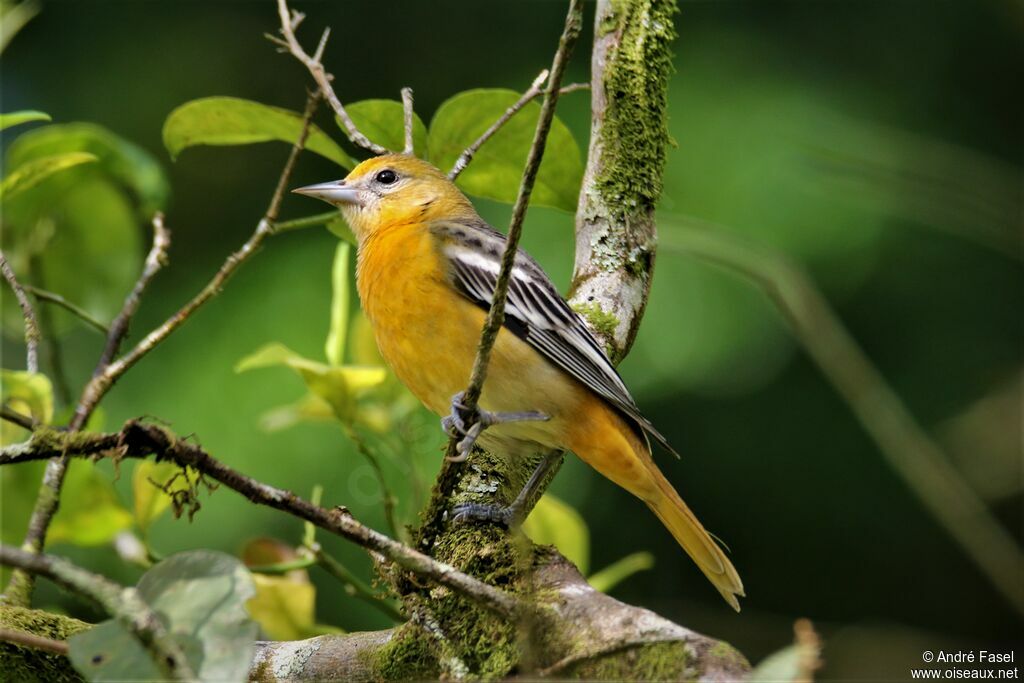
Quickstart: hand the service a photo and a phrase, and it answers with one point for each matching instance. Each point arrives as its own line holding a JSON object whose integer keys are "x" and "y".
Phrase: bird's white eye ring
{"x": 386, "y": 177}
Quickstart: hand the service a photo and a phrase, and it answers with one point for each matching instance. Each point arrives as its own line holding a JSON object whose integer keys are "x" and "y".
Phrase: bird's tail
{"x": 607, "y": 443}
{"x": 696, "y": 541}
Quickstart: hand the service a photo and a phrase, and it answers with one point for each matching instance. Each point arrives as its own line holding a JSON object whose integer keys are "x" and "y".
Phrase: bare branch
{"x": 13, "y": 416}
{"x": 535, "y": 89}
{"x": 73, "y": 309}
{"x": 10, "y": 635}
{"x": 32, "y": 334}
{"x": 123, "y": 604}
{"x": 496, "y": 313}
{"x": 407, "y": 113}
{"x": 156, "y": 259}
{"x": 105, "y": 378}
{"x": 289, "y": 22}
{"x": 137, "y": 440}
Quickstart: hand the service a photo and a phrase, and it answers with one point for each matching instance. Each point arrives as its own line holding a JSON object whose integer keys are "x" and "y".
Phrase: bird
{"x": 426, "y": 269}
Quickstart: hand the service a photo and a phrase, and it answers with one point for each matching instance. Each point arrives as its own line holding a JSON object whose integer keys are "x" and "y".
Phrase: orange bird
{"x": 426, "y": 273}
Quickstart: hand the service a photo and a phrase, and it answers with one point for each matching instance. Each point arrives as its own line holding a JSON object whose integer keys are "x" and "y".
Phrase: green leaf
{"x": 90, "y": 513}
{"x": 554, "y": 522}
{"x": 383, "y": 121}
{"x": 619, "y": 571}
{"x": 334, "y": 348}
{"x": 110, "y": 652}
{"x": 200, "y": 596}
{"x": 309, "y": 408}
{"x": 30, "y": 393}
{"x": 36, "y": 171}
{"x": 16, "y": 118}
{"x": 285, "y": 604}
{"x": 497, "y": 168}
{"x": 87, "y": 237}
{"x": 234, "y": 121}
{"x": 13, "y": 18}
{"x": 148, "y": 496}
{"x": 127, "y": 164}
{"x": 339, "y": 386}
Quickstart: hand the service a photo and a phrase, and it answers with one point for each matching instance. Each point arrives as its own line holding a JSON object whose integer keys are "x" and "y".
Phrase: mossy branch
{"x": 615, "y": 231}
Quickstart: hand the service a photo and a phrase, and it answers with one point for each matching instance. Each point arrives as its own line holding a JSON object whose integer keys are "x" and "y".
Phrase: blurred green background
{"x": 878, "y": 144}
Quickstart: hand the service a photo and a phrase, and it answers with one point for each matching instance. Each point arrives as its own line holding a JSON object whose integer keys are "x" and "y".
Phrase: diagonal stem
{"x": 496, "y": 313}
{"x": 32, "y": 335}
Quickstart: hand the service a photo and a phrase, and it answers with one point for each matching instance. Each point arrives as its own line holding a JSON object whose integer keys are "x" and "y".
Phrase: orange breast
{"x": 428, "y": 334}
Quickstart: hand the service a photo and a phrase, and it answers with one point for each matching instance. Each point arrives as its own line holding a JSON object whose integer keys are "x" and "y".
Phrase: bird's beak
{"x": 333, "y": 192}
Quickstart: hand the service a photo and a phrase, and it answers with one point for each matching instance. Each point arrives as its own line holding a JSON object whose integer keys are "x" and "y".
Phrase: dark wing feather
{"x": 536, "y": 313}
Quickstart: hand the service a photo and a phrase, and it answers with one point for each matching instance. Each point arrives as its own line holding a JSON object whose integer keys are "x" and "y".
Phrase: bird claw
{"x": 478, "y": 512}
{"x": 455, "y": 424}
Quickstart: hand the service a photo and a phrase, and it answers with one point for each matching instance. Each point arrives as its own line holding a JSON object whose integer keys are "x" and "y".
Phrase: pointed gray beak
{"x": 333, "y": 192}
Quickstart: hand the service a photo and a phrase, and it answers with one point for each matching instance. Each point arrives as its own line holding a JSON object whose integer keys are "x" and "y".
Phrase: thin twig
{"x": 137, "y": 440}
{"x": 20, "y": 587}
{"x": 496, "y": 313}
{"x": 123, "y": 604}
{"x": 532, "y": 93}
{"x": 101, "y": 383}
{"x": 903, "y": 443}
{"x": 289, "y": 22}
{"x": 535, "y": 89}
{"x": 32, "y": 335}
{"x": 156, "y": 259}
{"x": 24, "y": 639}
{"x": 407, "y": 112}
{"x": 306, "y": 221}
{"x": 13, "y": 416}
{"x": 73, "y": 309}
{"x": 50, "y": 342}
{"x": 388, "y": 499}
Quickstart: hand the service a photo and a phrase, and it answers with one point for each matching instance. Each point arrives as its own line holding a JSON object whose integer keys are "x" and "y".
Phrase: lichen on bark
{"x": 25, "y": 664}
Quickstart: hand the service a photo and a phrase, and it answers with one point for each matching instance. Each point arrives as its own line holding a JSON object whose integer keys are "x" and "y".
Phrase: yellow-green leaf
{"x": 149, "y": 479}
{"x": 620, "y": 570}
{"x": 497, "y": 167}
{"x": 554, "y": 522}
{"x": 334, "y": 348}
{"x": 34, "y": 172}
{"x": 339, "y": 386}
{"x": 29, "y": 393}
{"x": 283, "y": 607}
{"x": 16, "y": 118}
{"x": 309, "y": 408}
{"x": 90, "y": 513}
{"x": 234, "y": 121}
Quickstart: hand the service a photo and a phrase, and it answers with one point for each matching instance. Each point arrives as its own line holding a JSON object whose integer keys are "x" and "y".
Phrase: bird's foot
{"x": 479, "y": 512}
{"x": 469, "y": 423}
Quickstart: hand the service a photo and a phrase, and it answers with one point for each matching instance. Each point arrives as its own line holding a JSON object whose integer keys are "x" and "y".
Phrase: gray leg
{"x": 470, "y": 424}
{"x": 513, "y": 514}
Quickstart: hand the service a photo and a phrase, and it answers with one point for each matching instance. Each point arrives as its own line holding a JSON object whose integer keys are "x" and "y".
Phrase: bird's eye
{"x": 387, "y": 177}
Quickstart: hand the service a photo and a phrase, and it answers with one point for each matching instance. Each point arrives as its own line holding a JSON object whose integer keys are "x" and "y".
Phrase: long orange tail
{"x": 603, "y": 440}
{"x": 696, "y": 541}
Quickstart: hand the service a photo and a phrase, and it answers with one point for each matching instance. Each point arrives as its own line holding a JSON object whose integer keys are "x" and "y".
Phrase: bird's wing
{"x": 535, "y": 312}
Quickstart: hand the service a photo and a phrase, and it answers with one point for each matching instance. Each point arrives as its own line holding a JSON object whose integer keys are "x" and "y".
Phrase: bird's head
{"x": 390, "y": 190}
